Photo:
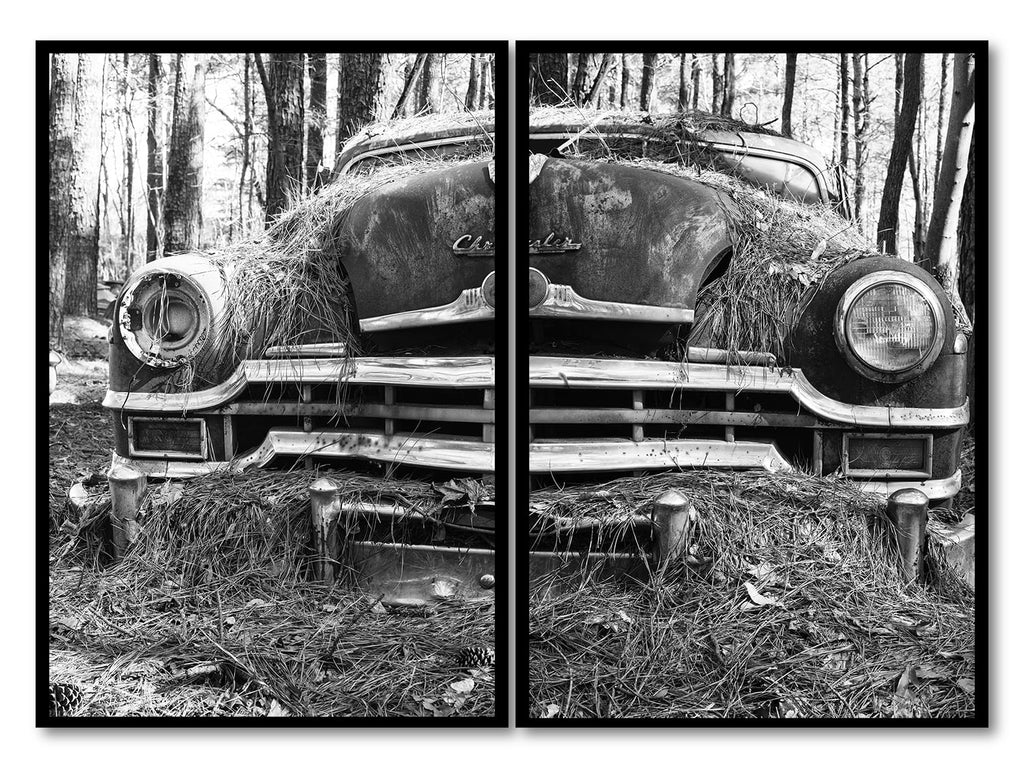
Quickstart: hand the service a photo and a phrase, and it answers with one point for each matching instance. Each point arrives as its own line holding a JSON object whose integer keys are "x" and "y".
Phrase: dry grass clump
{"x": 672, "y": 126}
{"x": 787, "y": 606}
{"x": 213, "y": 612}
{"x": 287, "y": 286}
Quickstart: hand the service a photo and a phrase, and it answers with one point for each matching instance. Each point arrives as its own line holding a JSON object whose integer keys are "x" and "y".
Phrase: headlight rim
{"x": 195, "y": 293}
{"x": 872, "y": 280}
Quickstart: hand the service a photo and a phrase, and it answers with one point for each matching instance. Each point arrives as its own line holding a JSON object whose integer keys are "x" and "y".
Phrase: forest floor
{"x": 149, "y": 644}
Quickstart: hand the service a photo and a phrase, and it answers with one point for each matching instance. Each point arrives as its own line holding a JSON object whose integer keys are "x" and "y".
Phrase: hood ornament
{"x": 552, "y": 244}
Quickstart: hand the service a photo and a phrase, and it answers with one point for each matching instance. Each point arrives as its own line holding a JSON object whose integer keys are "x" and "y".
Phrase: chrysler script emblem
{"x": 467, "y": 245}
{"x": 552, "y": 244}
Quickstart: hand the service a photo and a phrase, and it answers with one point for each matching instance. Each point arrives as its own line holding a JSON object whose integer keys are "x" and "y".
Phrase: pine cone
{"x": 65, "y": 699}
{"x": 475, "y": 656}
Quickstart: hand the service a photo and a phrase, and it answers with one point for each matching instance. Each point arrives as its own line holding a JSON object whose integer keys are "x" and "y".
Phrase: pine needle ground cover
{"x": 788, "y": 605}
{"x": 214, "y": 613}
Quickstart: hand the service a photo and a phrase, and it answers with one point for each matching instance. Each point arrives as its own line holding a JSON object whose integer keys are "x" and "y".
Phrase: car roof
{"x": 413, "y": 133}
{"x": 700, "y": 125}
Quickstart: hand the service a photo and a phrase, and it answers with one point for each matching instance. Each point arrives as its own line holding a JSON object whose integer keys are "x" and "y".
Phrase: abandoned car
{"x": 821, "y": 355}
{"x": 358, "y": 331}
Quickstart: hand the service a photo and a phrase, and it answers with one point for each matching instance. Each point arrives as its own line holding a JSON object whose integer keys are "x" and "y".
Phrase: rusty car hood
{"x": 419, "y": 242}
{"x": 643, "y": 237}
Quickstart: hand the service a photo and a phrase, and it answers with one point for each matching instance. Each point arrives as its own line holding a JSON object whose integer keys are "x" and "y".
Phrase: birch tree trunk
{"x": 888, "y": 213}
{"x": 127, "y": 97}
{"x": 183, "y": 202}
{"x": 155, "y": 158}
{"x": 844, "y": 114}
{"x": 861, "y": 98}
{"x": 941, "y": 246}
{"x": 943, "y": 83}
{"x": 717, "y": 89}
{"x": 81, "y": 243}
{"x": 697, "y": 72}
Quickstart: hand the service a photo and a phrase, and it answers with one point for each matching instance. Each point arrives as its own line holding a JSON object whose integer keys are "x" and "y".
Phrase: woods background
{"x": 152, "y": 154}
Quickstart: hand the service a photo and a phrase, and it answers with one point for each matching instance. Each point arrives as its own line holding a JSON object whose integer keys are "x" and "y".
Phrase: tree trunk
{"x": 844, "y": 114}
{"x": 602, "y": 73}
{"x": 696, "y": 81}
{"x": 80, "y": 239}
{"x": 549, "y": 74}
{"x": 583, "y": 77}
{"x": 861, "y": 98}
{"x": 74, "y": 161}
{"x": 127, "y": 97}
{"x": 245, "y": 211}
{"x": 361, "y": 89}
{"x": 966, "y": 249}
{"x": 913, "y": 160}
{"x": 282, "y": 85}
{"x": 625, "y": 77}
{"x": 430, "y": 84}
{"x": 684, "y": 82}
{"x": 317, "y": 120}
{"x": 183, "y": 204}
{"x": 155, "y": 158}
{"x": 939, "y": 139}
{"x": 941, "y": 247}
{"x": 728, "y": 84}
{"x": 648, "y": 83}
{"x": 717, "y": 89}
{"x": 410, "y": 90}
{"x": 903, "y": 134}
{"x": 473, "y": 87}
{"x": 787, "y": 98}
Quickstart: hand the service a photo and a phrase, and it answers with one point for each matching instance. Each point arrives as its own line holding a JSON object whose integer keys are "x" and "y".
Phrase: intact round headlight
{"x": 890, "y": 325}
{"x": 164, "y": 318}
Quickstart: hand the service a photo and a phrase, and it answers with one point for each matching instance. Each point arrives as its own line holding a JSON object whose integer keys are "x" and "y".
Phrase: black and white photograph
{"x": 276, "y": 382}
{"x": 755, "y": 484}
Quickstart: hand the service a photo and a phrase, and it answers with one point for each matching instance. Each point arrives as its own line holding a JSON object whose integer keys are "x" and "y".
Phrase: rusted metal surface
{"x": 456, "y": 372}
{"x": 416, "y": 575}
{"x": 397, "y": 242}
{"x": 646, "y": 238}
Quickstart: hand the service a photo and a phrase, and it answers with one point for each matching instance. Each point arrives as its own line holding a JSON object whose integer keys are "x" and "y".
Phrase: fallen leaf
{"x": 276, "y": 709}
{"x": 551, "y": 711}
{"x": 756, "y": 597}
{"x": 663, "y": 693}
{"x": 463, "y": 686}
{"x": 255, "y": 603}
{"x": 965, "y": 684}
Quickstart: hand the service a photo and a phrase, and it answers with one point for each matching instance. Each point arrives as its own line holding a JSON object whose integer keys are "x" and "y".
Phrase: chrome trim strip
{"x": 936, "y": 490}
{"x": 469, "y": 306}
{"x": 333, "y": 349}
{"x": 621, "y": 455}
{"x": 563, "y": 301}
{"x": 452, "y": 454}
{"x": 605, "y": 373}
{"x": 458, "y": 372}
